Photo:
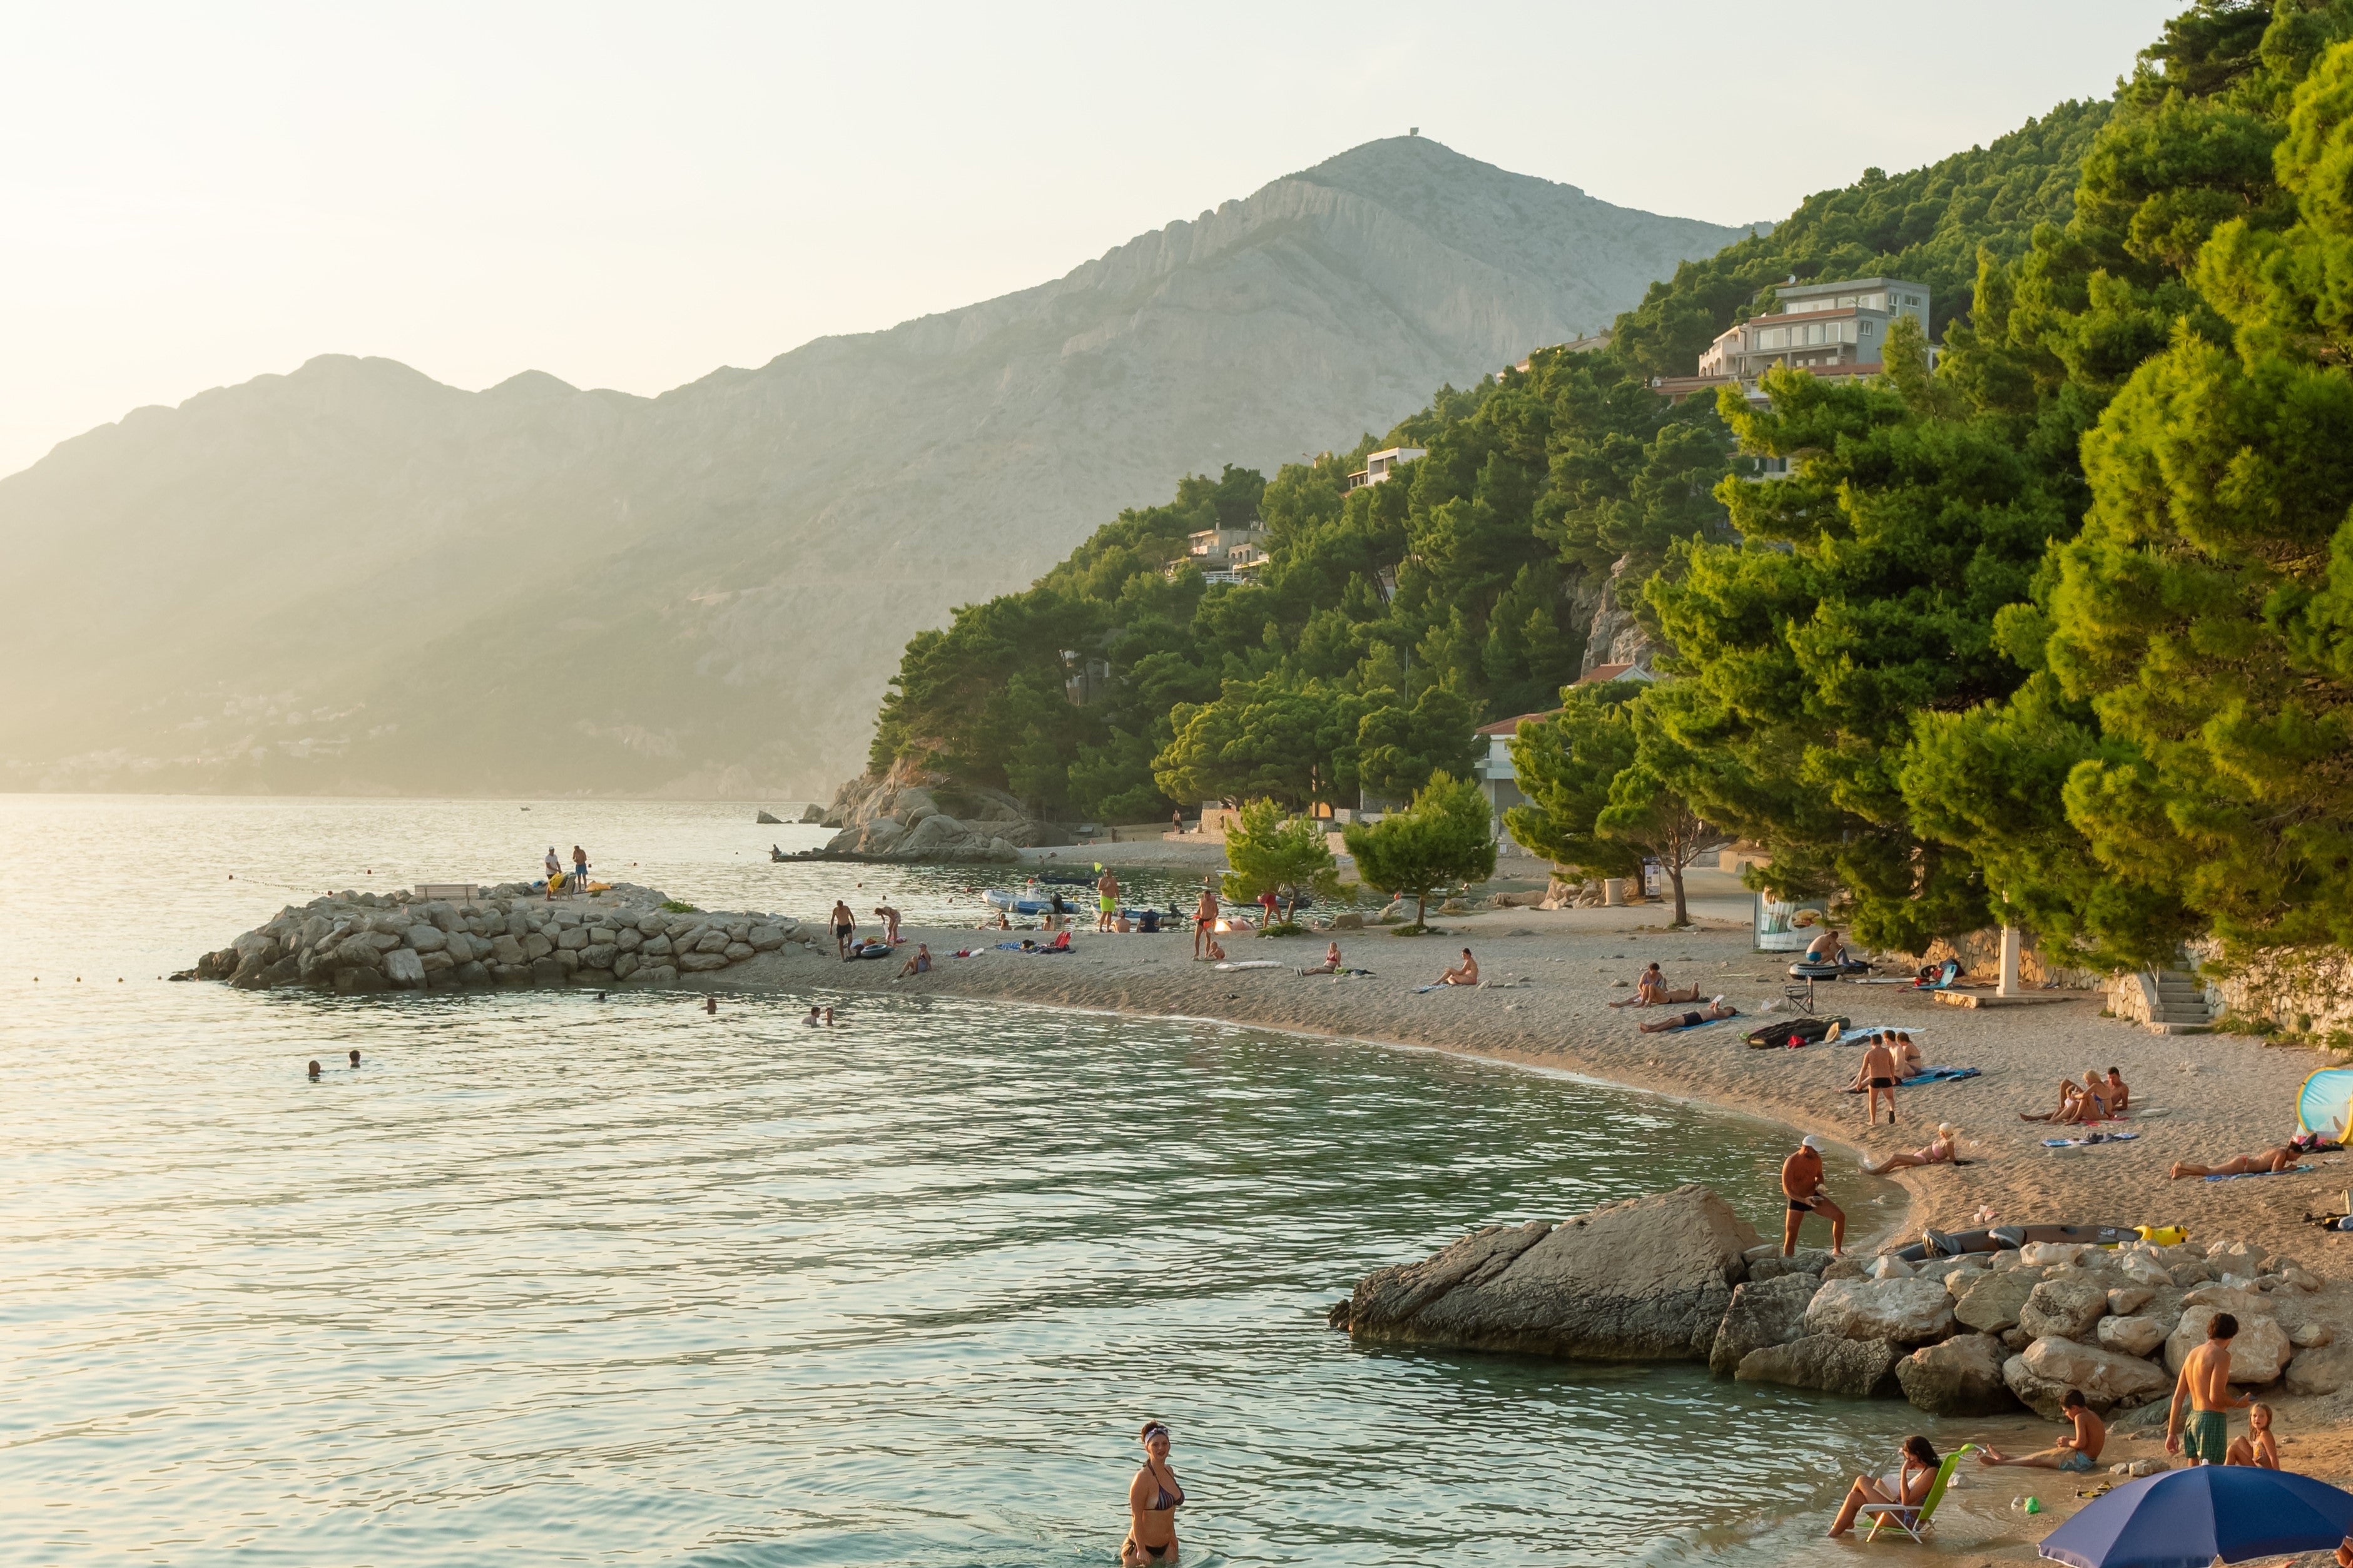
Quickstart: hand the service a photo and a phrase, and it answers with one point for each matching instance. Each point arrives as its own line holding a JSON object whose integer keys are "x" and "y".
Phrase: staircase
{"x": 2180, "y": 1006}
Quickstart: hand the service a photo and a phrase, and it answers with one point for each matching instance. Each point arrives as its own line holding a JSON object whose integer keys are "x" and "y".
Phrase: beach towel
{"x": 1937, "y": 1075}
{"x": 2097, "y": 1137}
{"x": 1253, "y": 963}
{"x": 2241, "y": 1175}
{"x": 1441, "y": 985}
{"x": 1704, "y": 1023}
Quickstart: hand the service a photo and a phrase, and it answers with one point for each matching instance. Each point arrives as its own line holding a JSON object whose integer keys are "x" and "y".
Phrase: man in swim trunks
{"x": 2205, "y": 1386}
{"x": 1205, "y": 921}
{"x": 1715, "y": 1010}
{"x": 2119, "y": 1093}
{"x": 1801, "y": 1186}
{"x": 2076, "y": 1453}
{"x": 1106, "y": 899}
{"x": 1877, "y": 1077}
{"x": 2269, "y": 1160}
{"x": 844, "y": 925}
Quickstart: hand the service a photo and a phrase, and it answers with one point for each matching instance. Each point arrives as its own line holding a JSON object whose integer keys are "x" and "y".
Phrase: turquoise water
{"x": 553, "y": 1280}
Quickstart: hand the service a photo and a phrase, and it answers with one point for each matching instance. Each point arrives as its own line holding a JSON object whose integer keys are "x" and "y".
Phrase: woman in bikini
{"x": 1152, "y": 1499}
{"x": 1939, "y": 1152}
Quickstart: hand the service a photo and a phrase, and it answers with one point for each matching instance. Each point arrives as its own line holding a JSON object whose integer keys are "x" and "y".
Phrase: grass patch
{"x": 674, "y": 907}
{"x": 2239, "y": 1024}
{"x": 1284, "y": 928}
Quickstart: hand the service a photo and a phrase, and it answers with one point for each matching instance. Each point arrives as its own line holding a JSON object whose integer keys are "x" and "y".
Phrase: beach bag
{"x": 1790, "y": 1033}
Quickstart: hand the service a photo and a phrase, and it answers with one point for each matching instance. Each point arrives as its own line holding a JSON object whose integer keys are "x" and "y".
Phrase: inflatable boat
{"x": 2008, "y": 1237}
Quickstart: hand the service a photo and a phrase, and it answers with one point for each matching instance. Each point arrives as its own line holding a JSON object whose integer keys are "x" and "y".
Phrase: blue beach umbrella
{"x": 2185, "y": 1519}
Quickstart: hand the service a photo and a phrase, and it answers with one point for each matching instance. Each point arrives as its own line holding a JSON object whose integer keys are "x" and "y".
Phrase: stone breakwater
{"x": 1679, "y": 1277}
{"x": 353, "y": 943}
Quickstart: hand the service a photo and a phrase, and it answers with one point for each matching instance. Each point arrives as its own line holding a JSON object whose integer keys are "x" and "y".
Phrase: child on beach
{"x": 2258, "y": 1448}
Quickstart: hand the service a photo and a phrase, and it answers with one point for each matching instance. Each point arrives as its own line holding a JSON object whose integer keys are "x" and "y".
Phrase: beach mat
{"x": 2091, "y": 1142}
{"x": 1253, "y": 963}
{"x": 1937, "y": 1075}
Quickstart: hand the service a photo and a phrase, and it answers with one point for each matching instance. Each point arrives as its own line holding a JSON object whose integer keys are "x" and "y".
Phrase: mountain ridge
{"x": 740, "y": 556}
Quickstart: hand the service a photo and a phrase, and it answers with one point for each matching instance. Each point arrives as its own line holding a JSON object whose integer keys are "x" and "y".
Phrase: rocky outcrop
{"x": 1908, "y": 1311}
{"x": 2041, "y": 1374}
{"x": 912, "y": 814}
{"x": 1761, "y": 1313}
{"x": 1646, "y": 1279}
{"x": 356, "y": 943}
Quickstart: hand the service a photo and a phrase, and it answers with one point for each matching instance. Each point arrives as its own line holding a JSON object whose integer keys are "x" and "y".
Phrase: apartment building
{"x": 1834, "y": 328}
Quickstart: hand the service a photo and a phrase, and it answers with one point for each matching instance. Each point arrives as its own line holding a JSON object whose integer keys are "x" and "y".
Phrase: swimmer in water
{"x": 812, "y": 1020}
{"x": 1152, "y": 1499}
{"x": 356, "y": 1059}
{"x": 711, "y": 1005}
{"x": 829, "y": 1017}
{"x": 314, "y": 1070}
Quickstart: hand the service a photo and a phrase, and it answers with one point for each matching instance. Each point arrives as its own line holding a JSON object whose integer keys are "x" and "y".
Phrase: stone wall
{"x": 2304, "y": 993}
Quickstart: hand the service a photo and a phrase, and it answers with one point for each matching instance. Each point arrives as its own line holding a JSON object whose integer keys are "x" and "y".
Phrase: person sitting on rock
{"x": 2258, "y": 1448}
{"x": 1463, "y": 973}
{"x": 1940, "y": 1151}
{"x": 2269, "y": 1161}
{"x": 2075, "y": 1453}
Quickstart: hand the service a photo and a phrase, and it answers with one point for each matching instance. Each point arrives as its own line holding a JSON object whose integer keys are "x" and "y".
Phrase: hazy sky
{"x": 632, "y": 196}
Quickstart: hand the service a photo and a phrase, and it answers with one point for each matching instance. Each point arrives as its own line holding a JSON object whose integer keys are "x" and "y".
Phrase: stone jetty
{"x": 353, "y": 943}
{"x": 1679, "y": 1277}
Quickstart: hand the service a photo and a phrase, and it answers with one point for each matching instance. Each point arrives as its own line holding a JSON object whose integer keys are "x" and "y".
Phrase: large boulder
{"x": 1961, "y": 1376}
{"x": 1908, "y": 1311}
{"x": 1992, "y": 1301}
{"x": 2131, "y": 1335}
{"x": 2324, "y": 1369}
{"x": 2106, "y": 1378}
{"x": 426, "y": 937}
{"x": 1761, "y": 1313}
{"x": 2258, "y": 1352}
{"x": 2064, "y": 1308}
{"x": 404, "y": 968}
{"x": 1645, "y": 1280}
{"x": 1831, "y": 1363}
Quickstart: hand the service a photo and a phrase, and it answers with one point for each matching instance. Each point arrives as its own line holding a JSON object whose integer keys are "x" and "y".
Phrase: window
{"x": 1814, "y": 332}
{"x": 1874, "y": 301}
{"x": 1773, "y": 337}
{"x": 1846, "y": 302}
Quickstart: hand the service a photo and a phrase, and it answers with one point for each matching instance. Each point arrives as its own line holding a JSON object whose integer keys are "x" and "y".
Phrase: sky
{"x": 631, "y": 196}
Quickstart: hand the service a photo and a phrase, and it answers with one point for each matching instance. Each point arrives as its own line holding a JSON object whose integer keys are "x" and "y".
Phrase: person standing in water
{"x": 1152, "y": 1499}
{"x": 1205, "y": 920}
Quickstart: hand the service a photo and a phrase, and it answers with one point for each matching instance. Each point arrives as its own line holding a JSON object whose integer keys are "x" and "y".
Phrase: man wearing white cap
{"x": 1802, "y": 1185}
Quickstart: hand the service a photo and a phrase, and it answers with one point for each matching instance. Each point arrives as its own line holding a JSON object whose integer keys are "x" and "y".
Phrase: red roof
{"x": 1512, "y": 726}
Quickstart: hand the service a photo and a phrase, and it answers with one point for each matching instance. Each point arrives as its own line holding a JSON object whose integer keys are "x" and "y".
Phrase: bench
{"x": 454, "y": 893}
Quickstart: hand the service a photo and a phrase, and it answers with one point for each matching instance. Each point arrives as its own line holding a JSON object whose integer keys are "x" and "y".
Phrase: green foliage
{"x": 1564, "y": 764}
{"x": 1441, "y": 838}
{"x": 1271, "y": 852}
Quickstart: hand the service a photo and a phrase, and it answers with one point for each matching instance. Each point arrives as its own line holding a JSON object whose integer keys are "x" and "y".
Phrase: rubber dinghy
{"x": 2009, "y": 1237}
{"x": 1023, "y": 904}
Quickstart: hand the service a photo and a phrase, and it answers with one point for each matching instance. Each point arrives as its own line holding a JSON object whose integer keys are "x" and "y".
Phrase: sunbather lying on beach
{"x": 1650, "y": 991}
{"x": 1463, "y": 973}
{"x": 2269, "y": 1159}
{"x": 1715, "y": 1010}
{"x": 1939, "y": 1152}
{"x": 1331, "y": 964}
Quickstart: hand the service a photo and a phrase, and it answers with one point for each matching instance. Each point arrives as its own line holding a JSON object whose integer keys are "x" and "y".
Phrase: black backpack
{"x": 1782, "y": 1034}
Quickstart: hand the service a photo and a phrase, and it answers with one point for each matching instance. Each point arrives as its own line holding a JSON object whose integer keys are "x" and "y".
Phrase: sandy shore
{"x": 1553, "y": 975}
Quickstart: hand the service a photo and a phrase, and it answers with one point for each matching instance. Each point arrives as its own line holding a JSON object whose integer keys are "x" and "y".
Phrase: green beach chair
{"x": 1912, "y": 1519}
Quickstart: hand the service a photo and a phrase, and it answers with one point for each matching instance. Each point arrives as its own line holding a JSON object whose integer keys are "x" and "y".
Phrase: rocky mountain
{"x": 353, "y": 578}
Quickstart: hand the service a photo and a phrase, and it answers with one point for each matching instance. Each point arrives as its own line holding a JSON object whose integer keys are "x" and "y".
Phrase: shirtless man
{"x": 1205, "y": 920}
{"x": 1877, "y": 1077}
{"x": 2282, "y": 1158}
{"x": 2119, "y": 1092}
{"x": 845, "y": 926}
{"x": 1801, "y": 1185}
{"x": 2072, "y": 1107}
{"x": 1463, "y": 973}
{"x": 2205, "y": 1386}
{"x": 1825, "y": 948}
{"x": 1650, "y": 991}
{"x": 1708, "y": 1014}
{"x": 1106, "y": 899}
{"x": 1939, "y": 1153}
{"x": 2077, "y": 1453}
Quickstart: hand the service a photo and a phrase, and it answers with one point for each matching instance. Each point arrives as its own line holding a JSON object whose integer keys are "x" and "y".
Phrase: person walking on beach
{"x": 2076, "y": 1453}
{"x": 1801, "y": 1185}
{"x": 1877, "y": 1076}
{"x": 579, "y": 870}
{"x": 1153, "y": 1499}
{"x": 2204, "y": 1386}
{"x": 845, "y": 925}
{"x": 1106, "y": 899}
{"x": 1205, "y": 920}
{"x": 1176, "y": 822}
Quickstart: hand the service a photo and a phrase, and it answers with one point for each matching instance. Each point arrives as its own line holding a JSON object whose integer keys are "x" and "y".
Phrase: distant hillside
{"x": 353, "y": 578}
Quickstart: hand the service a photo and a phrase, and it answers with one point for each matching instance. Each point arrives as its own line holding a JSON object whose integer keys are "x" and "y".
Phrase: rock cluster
{"x": 1677, "y": 1276}
{"x": 911, "y": 815}
{"x": 353, "y": 943}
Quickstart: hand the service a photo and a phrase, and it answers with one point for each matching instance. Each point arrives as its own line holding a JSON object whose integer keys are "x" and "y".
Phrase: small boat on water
{"x": 2008, "y": 1237}
{"x": 1025, "y": 903}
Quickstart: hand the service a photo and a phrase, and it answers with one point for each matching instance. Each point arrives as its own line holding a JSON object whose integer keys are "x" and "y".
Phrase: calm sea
{"x": 547, "y": 1280}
